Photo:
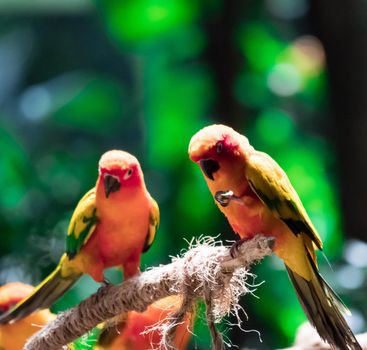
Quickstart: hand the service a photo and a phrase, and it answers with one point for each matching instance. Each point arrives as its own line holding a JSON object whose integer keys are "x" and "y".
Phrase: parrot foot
{"x": 106, "y": 282}
{"x": 234, "y": 250}
{"x": 224, "y": 198}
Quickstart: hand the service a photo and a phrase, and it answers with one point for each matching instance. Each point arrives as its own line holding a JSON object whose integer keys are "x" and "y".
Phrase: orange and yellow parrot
{"x": 111, "y": 226}
{"x": 13, "y": 336}
{"x": 128, "y": 333}
{"x": 256, "y": 196}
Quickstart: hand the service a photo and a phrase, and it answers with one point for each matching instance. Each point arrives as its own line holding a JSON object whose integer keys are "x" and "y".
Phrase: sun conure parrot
{"x": 111, "y": 226}
{"x": 127, "y": 333}
{"x": 13, "y": 336}
{"x": 256, "y": 196}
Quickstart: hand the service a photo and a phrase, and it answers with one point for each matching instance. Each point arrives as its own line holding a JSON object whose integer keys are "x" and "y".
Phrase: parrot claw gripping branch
{"x": 224, "y": 198}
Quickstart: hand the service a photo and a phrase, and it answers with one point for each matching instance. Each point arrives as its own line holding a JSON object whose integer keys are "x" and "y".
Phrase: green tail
{"x": 324, "y": 309}
{"x": 48, "y": 291}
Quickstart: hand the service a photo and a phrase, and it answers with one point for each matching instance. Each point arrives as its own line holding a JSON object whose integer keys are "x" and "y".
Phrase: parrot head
{"x": 215, "y": 147}
{"x": 119, "y": 170}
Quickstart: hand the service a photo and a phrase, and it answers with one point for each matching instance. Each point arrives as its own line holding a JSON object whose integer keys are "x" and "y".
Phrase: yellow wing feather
{"x": 271, "y": 184}
{"x": 153, "y": 225}
{"x": 82, "y": 223}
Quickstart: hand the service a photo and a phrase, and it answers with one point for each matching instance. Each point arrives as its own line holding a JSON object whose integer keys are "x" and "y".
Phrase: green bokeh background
{"x": 82, "y": 77}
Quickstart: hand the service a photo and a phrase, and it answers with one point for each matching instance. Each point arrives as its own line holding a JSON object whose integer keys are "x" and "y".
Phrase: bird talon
{"x": 224, "y": 197}
{"x": 106, "y": 282}
{"x": 234, "y": 250}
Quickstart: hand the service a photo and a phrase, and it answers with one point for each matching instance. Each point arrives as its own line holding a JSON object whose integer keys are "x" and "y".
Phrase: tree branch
{"x": 205, "y": 269}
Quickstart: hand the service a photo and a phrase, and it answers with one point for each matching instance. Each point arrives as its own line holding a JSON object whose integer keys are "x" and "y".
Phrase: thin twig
{"x": 217, "y": 339}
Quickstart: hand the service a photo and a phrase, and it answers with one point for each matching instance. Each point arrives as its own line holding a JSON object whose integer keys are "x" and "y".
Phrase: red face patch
{"x": 222, "y": 148}
{"x": 127, "y": 177}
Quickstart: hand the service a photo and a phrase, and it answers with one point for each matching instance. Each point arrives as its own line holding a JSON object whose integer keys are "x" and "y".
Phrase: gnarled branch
{"x": 205, "y": 269}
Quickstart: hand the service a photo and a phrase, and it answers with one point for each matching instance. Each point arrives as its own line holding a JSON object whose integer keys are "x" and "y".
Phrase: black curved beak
{"x": 209, "y": 167}
{"x": 111, "y": 184}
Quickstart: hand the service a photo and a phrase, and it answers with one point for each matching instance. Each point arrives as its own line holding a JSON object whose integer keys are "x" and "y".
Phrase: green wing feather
{"x": 153, "y": 225}
{"x": 82, "y": 223}
{"x": 271, "y": 184}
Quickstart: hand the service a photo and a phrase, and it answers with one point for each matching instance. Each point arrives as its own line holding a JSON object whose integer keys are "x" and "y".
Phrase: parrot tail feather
{"x": 50, "y": 289}
{"x": 324, "y": 309}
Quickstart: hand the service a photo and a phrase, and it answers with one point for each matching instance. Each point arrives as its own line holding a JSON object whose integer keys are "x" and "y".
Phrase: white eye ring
{"x": 128, "y": 174}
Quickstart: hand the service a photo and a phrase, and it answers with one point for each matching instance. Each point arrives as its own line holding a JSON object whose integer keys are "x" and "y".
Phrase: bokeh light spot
{"x": 355, "y": 253}
{"x": 157, "y": 13}
{"x": 284, "y": 80}
{"x": 350, "y": 277}
{"x": 35, "y": 103}
{"x": 141, "y": 20}
{"x": 259, "y": 47}
{"x": 307, "y": 54}
{"x": 274, "y": 126}
{"x": 356, "y": 321}
{"x": 287, "y": 9}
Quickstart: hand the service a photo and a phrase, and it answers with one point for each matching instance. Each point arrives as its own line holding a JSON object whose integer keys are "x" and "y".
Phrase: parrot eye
{"x": 128, "y": 174}
{"x": 219, "y": 147}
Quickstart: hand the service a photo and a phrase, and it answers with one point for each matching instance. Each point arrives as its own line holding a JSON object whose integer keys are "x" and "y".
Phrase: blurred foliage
{"x": 135, "y": 75}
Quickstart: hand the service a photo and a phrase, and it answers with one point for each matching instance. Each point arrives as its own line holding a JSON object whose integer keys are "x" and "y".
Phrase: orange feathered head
{"x": 119, "y": 169}
{"x": 209, "y": 146}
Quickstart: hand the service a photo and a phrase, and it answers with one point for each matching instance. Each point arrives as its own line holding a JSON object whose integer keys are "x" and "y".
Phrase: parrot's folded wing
{"x": 153, "y": 225}
{"x": 82, "y": 223}
{"x": 271, "y": 184}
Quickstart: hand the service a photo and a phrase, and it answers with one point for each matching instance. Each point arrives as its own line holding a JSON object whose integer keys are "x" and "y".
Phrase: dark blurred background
{"x": 79, "y": 77}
